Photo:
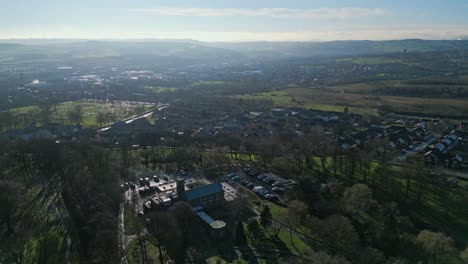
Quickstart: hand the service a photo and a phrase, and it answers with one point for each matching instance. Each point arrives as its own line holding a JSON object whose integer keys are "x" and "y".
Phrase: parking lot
{"x": 266, "y": 185}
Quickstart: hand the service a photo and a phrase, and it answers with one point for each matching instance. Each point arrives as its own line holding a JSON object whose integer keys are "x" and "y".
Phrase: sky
{"x": 235, "y": 20}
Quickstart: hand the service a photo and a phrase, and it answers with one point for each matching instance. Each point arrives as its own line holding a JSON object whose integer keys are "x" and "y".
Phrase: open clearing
{"x": 119, "y": 110}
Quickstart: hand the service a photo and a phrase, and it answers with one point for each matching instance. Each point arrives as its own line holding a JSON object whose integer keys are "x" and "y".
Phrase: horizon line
{"x": 225, "y": 41}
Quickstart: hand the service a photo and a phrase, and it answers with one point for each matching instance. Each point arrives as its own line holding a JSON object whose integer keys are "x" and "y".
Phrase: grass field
{"x": 116, "y": 111}
{"x": 132, "y": 223}
{"x": 305, "y": 98}
{"x": 284, "y": 242}
{"x": 159, "y": 89}
{"x": 359, "y": 100}
{"x": 134, "y": 255}
{"x": 208, "y": 83}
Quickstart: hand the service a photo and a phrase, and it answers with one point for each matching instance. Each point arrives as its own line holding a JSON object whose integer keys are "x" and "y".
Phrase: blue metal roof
{"x": 203, "y": 191}
{"x": 205, "y": 217}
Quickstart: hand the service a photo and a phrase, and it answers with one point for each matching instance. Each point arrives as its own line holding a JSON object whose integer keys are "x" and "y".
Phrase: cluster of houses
{"x": 52, "y": 131}
{"x": 199, "y": 123}
{"x": 439, "y": 154}
{"x": 399, "y": 137}
{"x": 411, "y": 141}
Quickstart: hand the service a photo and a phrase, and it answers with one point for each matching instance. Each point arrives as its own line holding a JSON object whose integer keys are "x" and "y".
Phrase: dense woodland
{"x": 58, "y": 203}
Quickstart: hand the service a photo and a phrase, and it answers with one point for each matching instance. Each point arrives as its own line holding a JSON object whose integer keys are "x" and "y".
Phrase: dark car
{"x": 268, "y": 180}
{"x": 253, "y": 173}
{"x": 273, "y": 198}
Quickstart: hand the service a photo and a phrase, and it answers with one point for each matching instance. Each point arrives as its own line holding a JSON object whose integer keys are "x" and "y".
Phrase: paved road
{"x": 122, "y": 240}
{"x": 453, "y": 173}
{"x": 133, "y": 118}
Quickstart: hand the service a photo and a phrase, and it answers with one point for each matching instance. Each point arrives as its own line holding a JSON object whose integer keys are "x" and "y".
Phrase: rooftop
{"x": 205, "y": 217}
{"x": 203, "y": 191}
{"x": 218, "y": 224}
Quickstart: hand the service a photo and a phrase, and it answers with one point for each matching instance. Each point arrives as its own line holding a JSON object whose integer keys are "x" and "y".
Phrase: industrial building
{"x": 207, "y": 196}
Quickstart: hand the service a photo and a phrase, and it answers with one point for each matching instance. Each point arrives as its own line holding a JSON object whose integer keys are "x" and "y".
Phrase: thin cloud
{"x": 317, "y": 13}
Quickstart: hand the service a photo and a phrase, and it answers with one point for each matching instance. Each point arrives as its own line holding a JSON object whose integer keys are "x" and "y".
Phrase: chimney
{"x": 181, "y": 189}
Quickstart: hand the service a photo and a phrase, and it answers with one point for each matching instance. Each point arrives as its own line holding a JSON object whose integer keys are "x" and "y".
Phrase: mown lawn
{"x": 296, "y": 245}
{"x": 135, "y": 255}
{"x": 283, "y": 244}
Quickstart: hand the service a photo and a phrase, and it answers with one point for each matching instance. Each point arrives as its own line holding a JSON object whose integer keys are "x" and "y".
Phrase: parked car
{"x": 261, "y": 177}
{"x": 268, "y": 180}
{"x": 235, "y": 178}
{"x": 278, "y": 189}
{"x": 289, "y": 184}
{"x": 250, "y": 186}
{"x": 258, "y": 189}
{"x": 272, "y": 197}
{"x": 276, "y": 184}
{"x": 253, "y": 173}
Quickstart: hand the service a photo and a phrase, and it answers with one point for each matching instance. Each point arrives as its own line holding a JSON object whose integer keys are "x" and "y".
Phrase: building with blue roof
{"x": 206, "y": 196}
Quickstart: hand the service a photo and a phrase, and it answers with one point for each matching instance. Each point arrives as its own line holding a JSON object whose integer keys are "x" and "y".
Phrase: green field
{"x": 132, "y": 223}
{"x": 159, "y": 89}
{"x": 208, "y": 83}
{"x": 360, "y": 99}
{"x": 305, "y": 98}
{"x": 90, "y": 108}
{"x": 135, "y": 256}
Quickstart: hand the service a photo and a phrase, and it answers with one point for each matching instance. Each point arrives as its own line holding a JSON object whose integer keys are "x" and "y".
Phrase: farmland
{"x": 361, "y": 99}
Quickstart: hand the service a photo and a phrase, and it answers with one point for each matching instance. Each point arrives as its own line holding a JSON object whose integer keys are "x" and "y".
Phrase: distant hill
{"x": 339, "y": 48}
{"x": 189, "y": 51}
{"x": 178, "y": 51}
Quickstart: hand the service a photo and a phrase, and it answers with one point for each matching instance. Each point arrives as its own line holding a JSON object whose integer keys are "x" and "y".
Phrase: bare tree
{"x": 75, "y": 115}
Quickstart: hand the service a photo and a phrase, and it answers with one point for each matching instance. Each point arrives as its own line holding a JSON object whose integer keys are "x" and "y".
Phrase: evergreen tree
{"x": 265, "y": 216}
{"x": 241, "y": 238}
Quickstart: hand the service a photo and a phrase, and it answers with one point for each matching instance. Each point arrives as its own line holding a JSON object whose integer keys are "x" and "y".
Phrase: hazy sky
{"x": 235, "y": 20}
